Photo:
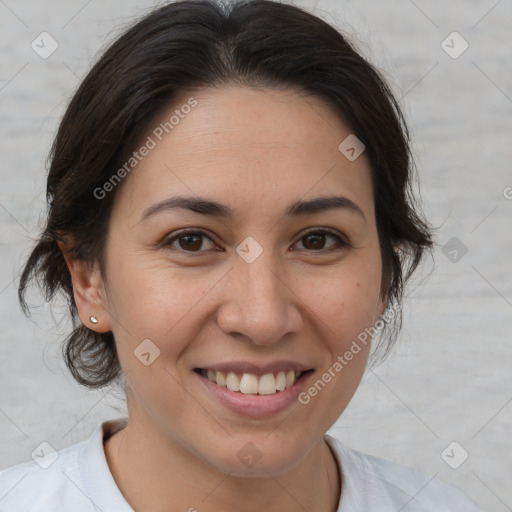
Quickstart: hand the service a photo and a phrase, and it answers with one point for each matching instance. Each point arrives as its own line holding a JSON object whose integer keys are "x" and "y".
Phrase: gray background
{"x": 449, "y": 377}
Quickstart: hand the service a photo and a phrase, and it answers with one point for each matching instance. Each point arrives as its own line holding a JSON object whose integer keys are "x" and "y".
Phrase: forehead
{"x": 249, "y": 148}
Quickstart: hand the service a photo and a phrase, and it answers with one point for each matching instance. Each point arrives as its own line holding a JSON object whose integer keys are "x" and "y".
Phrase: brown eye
{"x": 317, "y": 239}
{"x": 314, "y": 241}
{"x": 190, "y": 241}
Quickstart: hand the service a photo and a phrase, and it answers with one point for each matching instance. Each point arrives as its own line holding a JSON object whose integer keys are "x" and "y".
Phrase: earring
{"x": 93, "y": 319}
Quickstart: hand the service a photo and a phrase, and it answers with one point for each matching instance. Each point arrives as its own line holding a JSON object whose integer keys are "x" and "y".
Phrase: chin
{"x": 260, "y": 458}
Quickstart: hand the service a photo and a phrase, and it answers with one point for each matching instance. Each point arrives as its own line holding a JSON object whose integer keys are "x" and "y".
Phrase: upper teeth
{"x": 247, "y": 383}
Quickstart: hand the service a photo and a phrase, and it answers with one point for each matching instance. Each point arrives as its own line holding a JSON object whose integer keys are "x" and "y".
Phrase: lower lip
{"x": 255, "y": 406}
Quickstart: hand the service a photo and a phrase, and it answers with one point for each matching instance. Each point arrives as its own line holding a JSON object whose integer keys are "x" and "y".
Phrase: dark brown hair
{"x": 188, "y": 45}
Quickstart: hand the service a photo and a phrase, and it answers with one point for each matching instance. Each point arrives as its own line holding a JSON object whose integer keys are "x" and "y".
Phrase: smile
{"x": 251, "y": 384}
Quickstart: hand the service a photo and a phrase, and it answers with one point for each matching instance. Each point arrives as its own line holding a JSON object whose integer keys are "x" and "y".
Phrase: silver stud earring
{"x": 93, "y": 319}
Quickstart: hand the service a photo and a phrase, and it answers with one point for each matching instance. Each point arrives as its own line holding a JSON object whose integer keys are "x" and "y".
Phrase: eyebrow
{"x": 212, "y": 208}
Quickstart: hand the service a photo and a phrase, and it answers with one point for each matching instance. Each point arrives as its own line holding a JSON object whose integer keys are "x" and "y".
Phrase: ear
{"x": 88, "y": 290}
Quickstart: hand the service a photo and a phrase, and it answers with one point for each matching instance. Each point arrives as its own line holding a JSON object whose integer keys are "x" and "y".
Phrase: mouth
{"x": 252, "y": 384}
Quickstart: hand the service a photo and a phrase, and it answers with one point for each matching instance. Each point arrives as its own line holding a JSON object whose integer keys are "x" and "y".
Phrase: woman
{"x": 232, "y": 222}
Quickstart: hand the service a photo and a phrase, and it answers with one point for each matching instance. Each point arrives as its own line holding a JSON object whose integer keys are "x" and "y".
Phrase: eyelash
{"x": 342, "y": 242}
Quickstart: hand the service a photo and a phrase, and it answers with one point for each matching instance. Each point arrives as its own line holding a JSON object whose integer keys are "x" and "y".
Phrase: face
{"x": 267, "y": 291}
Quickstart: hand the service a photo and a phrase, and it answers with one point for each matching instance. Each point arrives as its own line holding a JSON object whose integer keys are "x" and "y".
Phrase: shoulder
{"x": 75, "y": 478}
{"x": 374, "y": 484}
{"x": 35, "y": 485}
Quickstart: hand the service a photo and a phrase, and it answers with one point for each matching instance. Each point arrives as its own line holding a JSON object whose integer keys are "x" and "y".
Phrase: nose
{"x": 259, "y": 304}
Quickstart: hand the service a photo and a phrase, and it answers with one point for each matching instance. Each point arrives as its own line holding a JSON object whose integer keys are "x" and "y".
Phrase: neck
{"x": 152, "y": 478}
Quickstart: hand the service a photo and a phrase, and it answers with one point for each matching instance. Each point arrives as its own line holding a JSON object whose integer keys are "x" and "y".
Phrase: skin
{"x": 256, "y": 151}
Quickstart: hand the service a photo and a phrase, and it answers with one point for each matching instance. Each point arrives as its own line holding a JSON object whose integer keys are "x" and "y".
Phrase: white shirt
{"x": 78, "y": 479}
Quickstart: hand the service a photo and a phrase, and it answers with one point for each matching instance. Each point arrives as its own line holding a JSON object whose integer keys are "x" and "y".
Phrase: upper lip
{"x": 254, "y": 368}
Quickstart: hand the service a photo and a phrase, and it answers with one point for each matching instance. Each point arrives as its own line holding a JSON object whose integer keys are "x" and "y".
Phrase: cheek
{"x": 153, "y": 301}
{"x": 157, "y": 312}
{"x": 346, "y": 300}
